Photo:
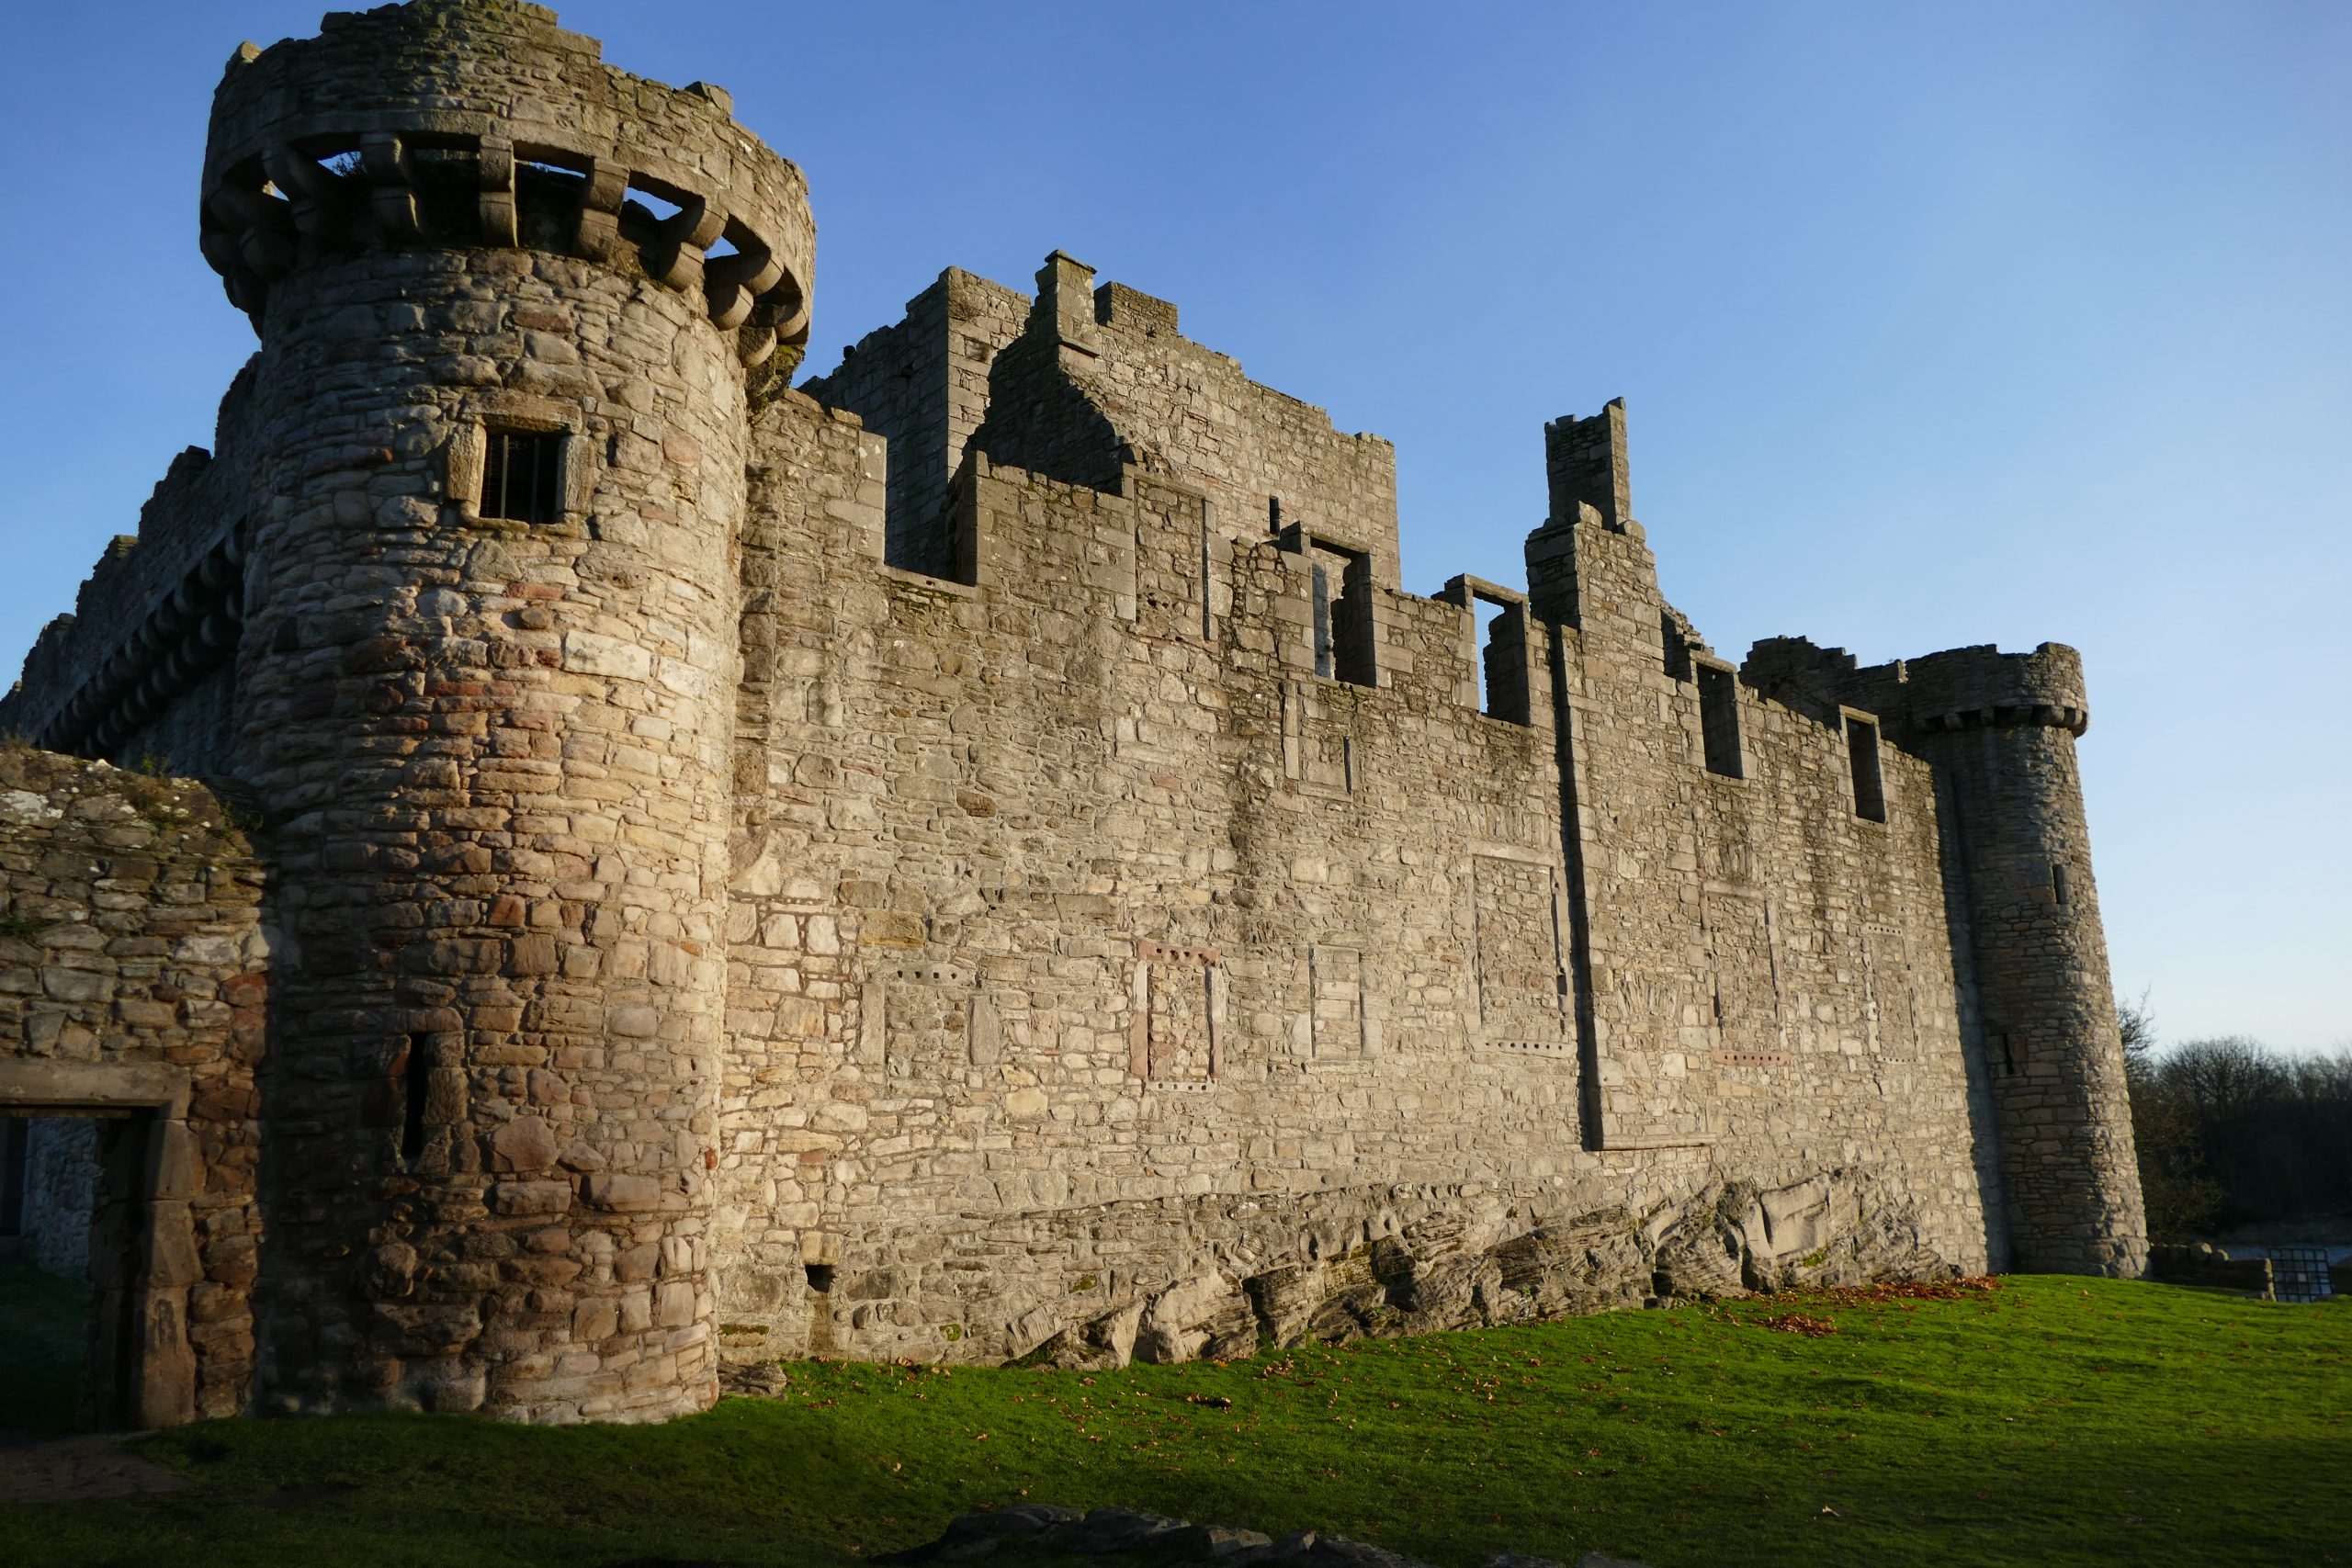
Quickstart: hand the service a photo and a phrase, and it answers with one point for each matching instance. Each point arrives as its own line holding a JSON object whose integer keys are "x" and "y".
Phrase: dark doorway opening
{"x": 92, "y": 1346}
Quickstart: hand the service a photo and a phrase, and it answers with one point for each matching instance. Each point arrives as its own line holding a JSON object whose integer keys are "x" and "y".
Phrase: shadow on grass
{"x": 2055, "y": 1420}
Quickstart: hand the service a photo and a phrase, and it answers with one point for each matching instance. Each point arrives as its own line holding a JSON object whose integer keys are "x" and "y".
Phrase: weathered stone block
{"x": 620, "y": 1192}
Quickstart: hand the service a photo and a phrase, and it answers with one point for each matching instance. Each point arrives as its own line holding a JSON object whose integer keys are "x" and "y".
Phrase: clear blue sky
{"x": 1935, "y": 324}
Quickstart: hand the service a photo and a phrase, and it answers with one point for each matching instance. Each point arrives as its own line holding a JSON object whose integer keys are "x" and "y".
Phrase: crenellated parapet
{"x": 1962, "y": 688}
{"x": 183, "y": 634}
{"x": 1982, "y": 688}
{"x": 161, "y": 612}
{"x": 481, "y": 122}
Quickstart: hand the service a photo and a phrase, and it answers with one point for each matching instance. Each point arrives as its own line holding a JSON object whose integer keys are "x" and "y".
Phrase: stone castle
{"x": 974, "y": 857}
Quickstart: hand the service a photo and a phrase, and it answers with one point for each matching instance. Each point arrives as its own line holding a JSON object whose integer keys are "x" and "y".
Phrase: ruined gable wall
{"x": 922, "y": 383}
{"x": 1194, "y": 415}
{"x": 133, "y": 957}
{"x": 1109, "y": 379}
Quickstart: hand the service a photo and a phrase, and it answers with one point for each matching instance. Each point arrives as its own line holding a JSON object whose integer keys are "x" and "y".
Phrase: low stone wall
{"x": 131, "y": 982}
{"x": 2204, "y": 1264}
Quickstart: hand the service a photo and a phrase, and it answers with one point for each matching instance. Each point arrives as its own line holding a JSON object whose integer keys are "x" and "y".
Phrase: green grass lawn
{"x": 41, "y": 1349}
{"x": 2052, "y": 1420}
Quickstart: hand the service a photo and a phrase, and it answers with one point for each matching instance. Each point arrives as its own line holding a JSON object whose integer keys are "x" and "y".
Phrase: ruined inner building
{"x": 973, "y": 857}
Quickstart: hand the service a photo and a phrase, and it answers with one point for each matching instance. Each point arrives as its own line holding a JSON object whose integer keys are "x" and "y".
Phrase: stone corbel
{"x": 310, "y": 187}
{"x": 263, "y": 227}
{"x": 735, "y": 283}
{"x": 383, "y": 156}
{"x": 598, "y": 236}
{"x": 676, "y": 257}
{"x": 496, "y": 201}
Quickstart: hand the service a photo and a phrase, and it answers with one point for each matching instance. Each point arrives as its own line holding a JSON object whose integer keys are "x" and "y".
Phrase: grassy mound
{"x": 2051, "y": 1420}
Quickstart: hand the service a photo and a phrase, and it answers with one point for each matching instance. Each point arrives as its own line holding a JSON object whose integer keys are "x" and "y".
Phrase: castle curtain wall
{"x": 1087, "y": 940}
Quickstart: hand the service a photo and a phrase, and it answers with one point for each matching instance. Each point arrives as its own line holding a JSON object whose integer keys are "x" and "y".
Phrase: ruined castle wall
{"x": 1007, "y": 820}
{"x": 1087, "y": 941}
{"x": 1771, "y": 966}
{"x": 133, "y": 983}
{"x": 195, "y": 732}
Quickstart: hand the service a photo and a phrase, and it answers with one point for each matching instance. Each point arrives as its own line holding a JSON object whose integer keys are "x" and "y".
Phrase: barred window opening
{"x": 522, "y": 474}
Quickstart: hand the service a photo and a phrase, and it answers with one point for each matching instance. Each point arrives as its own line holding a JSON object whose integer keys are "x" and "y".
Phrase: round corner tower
{"x": 508, "y": 299}
{"x": 2000, "y": 728}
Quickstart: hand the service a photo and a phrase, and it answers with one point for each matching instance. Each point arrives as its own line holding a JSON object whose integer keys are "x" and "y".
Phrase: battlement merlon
{"x": 1584, "y": 465}
{"x": 1960, "y": 688}
{"x": 481, "y": 122}
{"x": 1589, "y": 547}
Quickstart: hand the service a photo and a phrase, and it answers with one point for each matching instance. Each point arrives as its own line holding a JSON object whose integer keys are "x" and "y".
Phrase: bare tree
{"x": 2232, "y": 1132}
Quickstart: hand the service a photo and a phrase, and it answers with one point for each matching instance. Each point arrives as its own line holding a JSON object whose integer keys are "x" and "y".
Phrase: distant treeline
{"x": 2231, "y": 1131}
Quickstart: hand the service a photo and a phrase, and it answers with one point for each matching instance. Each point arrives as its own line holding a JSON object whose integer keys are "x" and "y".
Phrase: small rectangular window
{"x": 1208, "y": 589}
{"x": 2058, "y": 882}
{"x": 416, "y": 1084}
{"x": 1502, "y": 658}
{"x": 522, "y": 475}
{"x": 1354, "y": 639}
{"x": 1719, "y": 721}
{"x": 1344, "y": 637}
{"x": 1862, "y": 755}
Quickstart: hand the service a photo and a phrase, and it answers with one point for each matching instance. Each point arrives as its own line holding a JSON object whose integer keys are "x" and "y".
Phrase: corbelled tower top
{"x": 481, "y": 122}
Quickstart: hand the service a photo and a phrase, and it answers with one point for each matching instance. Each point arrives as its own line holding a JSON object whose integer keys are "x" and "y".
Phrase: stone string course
{"x": 978, "y": 857}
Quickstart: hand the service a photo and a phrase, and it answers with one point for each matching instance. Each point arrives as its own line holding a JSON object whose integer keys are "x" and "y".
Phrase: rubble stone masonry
{"x": 975, "y": 858}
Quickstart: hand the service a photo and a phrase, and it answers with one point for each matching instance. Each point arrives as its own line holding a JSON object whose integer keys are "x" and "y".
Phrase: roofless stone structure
{"x": 973, "y": 858}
